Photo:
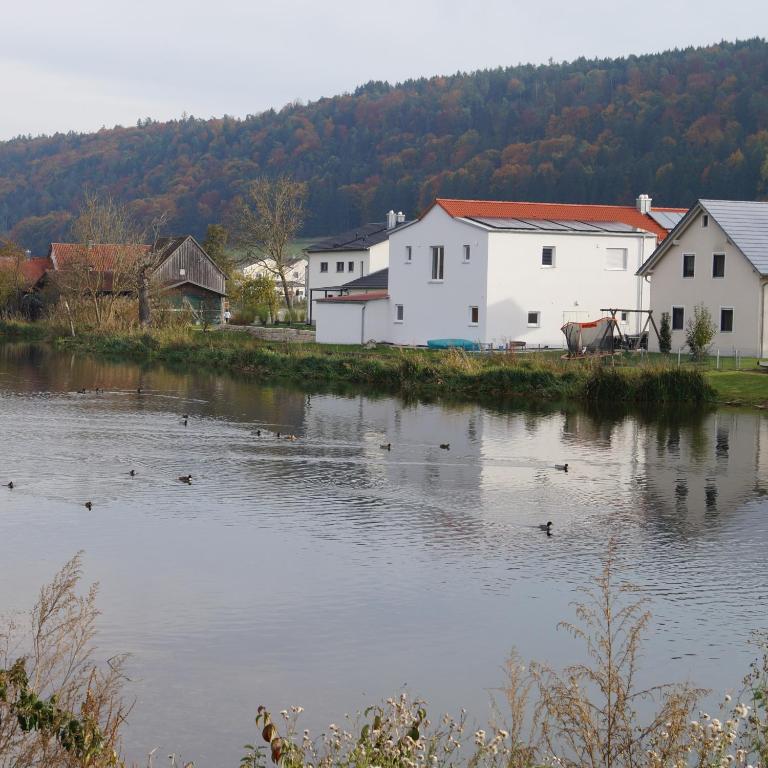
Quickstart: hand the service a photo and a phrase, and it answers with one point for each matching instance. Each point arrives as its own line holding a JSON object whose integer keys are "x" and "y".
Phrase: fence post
{"x": 678, "y": 356}
{"x": 718, "y": 360}
{"x": 738, "y": 359}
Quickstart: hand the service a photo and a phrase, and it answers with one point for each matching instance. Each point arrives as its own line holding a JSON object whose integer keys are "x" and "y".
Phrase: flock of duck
{"x": 187, "y": 479}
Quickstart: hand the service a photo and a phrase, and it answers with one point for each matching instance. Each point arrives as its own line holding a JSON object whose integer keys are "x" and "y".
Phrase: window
{"x": 678, "y": 318}
{"x": 533, "y": 319}
{"x": 624, "y": 318}
{"x": 726, "y": 319}
{"x": 350, "y": 266}
{"x": 467, "y": 253}
{"x": 474, "y": 315}
{"x": 547, "y": 256}
{"x": 689, "y": 263}
{"x": 718, "y": 265}
{"x": 705, "y": 220}
{"x": 399, "y": 313}
{"x": 616, "y": 259}
{"x": 408, "y": 254}
{"x": 323, "y": 266}
{"x": 182, "y": 272}
{"x": 438, "y": 262}
{"x": 339, "y": 266}
{"x": 295, "y": 275}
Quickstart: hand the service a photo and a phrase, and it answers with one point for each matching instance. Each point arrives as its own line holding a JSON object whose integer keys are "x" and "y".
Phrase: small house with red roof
{"x": 497, "y": 272}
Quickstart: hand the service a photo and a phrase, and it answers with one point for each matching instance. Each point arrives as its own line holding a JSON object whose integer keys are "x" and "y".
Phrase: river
{"x": 330, "y": 573}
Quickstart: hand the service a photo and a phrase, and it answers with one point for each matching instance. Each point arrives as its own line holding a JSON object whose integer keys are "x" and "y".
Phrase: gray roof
{"x": 746, "y": 224}
{"x": 358, "y": 239}
{"x": 553, "y": 225}
{"x": 666, "y": 219}
{"x": 378, "y": 280}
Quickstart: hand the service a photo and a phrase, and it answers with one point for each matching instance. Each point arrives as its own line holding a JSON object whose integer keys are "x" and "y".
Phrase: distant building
{"x": 501, "y": 272}
{"x": 186, "y": 273}
{"x": 337, "y": 260}
{"x": 296, "y": 276}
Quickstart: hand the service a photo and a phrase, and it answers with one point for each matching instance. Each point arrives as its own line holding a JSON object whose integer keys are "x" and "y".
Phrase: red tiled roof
{"x": 31, "y": 269}
{"x": 101, "y": 256}
{"x": 495, "y": 209}
{"x": 355, "y": 297}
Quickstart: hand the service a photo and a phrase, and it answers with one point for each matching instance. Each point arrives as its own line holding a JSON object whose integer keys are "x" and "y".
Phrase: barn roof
{"x": 101, "y": 256}
{"x": 32, "y": 269}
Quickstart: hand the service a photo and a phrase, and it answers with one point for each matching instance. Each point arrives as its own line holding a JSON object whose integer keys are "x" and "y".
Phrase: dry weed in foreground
{"x": 58, "y": 709}
{"x": 585, "y": 716}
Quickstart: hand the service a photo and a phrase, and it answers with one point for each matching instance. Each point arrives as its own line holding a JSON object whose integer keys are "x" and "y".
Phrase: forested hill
{"x": 677, "y": 125}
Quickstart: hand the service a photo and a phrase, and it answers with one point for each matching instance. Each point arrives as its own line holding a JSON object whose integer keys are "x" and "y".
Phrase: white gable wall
{"x": 739, "y": 289}
{"x": 363, "y": 263}
{"x": 575, "y": 288}
{"x": 437, "y": 309}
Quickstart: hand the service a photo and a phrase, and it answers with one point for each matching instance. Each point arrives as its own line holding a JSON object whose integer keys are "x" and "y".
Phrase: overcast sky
{"x": 82, "y": 64}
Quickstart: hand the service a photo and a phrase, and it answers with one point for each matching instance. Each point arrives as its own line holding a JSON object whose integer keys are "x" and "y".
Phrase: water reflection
{"x": 328, "y": 572}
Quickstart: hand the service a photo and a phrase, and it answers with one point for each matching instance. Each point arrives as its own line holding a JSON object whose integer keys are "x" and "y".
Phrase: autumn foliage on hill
{"x": 678, "y": 125}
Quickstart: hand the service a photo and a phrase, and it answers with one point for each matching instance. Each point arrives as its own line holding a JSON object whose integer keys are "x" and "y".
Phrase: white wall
{"x": 437, "y": 310}
{"x": 575, "y": 288}
{"x": 740, "y": 288}
{"x": 363, "y": 263}
{"x": 351, "y": 322}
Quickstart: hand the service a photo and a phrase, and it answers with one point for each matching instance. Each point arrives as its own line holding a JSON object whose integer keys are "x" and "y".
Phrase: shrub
{"x": 700, "y": 331}
{"x": 665, "y": 334}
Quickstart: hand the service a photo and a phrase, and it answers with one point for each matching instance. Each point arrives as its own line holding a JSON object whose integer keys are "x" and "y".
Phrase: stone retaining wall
{"x": 272, "y": 333}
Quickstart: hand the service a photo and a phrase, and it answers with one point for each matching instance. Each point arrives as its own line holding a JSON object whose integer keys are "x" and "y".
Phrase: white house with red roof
{"x": 500, "y": 272}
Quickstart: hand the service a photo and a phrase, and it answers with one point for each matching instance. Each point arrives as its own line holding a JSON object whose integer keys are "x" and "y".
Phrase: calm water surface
{"x": 329, "y": 573}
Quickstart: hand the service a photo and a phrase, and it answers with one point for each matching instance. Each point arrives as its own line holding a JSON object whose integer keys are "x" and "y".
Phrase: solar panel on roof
{"x": 666, "y": 219}
{"x": 578, "y": 226}
{"x": 613, "y": 226}
{"x": 546, "y": 225}
{"x": 506, "y": 224}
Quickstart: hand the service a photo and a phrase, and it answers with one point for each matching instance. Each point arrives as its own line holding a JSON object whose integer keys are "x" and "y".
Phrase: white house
{"x": 717, "y": 255}
{"x": 501, "y": 272}
{"x": 350, "y": 255}
{"x": 296, "y": 275}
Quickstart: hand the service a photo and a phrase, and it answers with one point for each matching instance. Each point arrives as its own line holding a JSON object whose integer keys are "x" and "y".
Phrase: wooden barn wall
{"x": 197, "y": 267}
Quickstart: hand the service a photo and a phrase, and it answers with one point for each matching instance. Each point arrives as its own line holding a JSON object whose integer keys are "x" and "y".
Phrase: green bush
{"x": 699, "y": 332}
{"x": 665, "y": 334}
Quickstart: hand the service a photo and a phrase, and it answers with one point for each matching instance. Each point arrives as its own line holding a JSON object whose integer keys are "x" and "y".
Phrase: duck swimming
{"x": 186, "y": 479}
{"x": 445, "y": 446}
{"x": 88, "y": 505}
{"x": 562, "y": 467}
{"x": 547, "y": 527}
{"x": 10, "y": 485}
{"x": 386, "y": 447}
{"x": 132, "y": 473}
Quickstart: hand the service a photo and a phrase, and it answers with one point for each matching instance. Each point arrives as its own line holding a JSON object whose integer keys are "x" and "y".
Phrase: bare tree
{"x": 100, "y": 267}
{"x": 267, "y": 219}
{"x": 148, "y": 262}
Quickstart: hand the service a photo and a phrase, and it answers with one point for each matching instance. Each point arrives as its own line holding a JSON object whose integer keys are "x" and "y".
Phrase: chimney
{"x": 391, "y": 220}
{"x": 400, "y": 217}
{"x": 643, "y": 204}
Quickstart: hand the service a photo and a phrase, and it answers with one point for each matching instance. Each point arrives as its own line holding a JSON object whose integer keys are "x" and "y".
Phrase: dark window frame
{"x": 675, "y": 325}
{"x": 715, "y": 264}
{"x": 339, "y": 266}
{"x": 548, "y": 252}
{"x": 323, "y": 266}
{"x": 729, "y": 310}
{"x": 438, "y": 262}
{"x": 692, "y": 257}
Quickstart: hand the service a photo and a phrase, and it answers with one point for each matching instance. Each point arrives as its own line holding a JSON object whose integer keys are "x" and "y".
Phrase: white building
{"x": 350, "y": 255}
{"x": 717, "y": 255}
{"x": 501, "y": 272}
{"x": 296, "y": 275}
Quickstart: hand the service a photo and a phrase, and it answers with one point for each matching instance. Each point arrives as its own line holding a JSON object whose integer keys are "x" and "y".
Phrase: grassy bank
{"x": 418, "y": 372}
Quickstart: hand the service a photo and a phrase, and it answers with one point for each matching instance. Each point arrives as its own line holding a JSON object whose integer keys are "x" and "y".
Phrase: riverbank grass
{"x": 419, "y": 372}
